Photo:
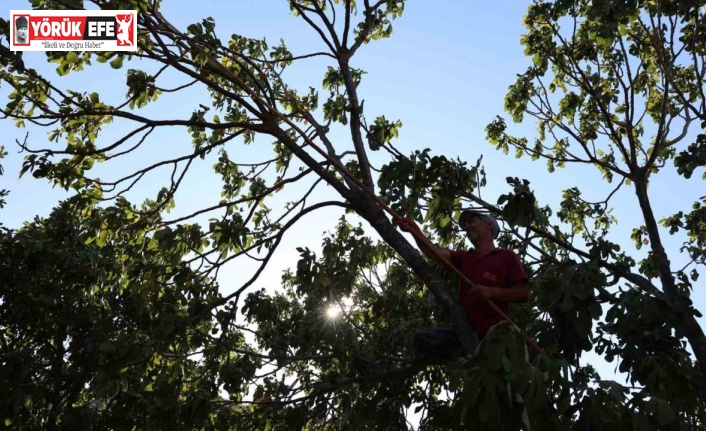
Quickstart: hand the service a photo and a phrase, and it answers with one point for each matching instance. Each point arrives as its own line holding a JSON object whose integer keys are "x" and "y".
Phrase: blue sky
{"x": 444, "y": 74}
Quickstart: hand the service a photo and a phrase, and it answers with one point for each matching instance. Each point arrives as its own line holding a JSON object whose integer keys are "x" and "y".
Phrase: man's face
{"x": 477, "y": 228}
{"x": 21, "y": 33}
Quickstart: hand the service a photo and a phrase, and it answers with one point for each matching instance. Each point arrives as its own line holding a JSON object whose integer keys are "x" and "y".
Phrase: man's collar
{"x": 495, "y": 250}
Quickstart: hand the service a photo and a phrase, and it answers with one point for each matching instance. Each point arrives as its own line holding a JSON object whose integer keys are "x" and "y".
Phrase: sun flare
{"x": 333, "y": 311}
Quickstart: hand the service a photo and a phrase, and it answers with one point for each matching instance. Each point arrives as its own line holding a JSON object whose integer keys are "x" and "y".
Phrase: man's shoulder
{"x": 463, "y": 251}
{"x": 500, "y": 254}
{"x": 505, "y": 253}
{"x": 497, "y": 250}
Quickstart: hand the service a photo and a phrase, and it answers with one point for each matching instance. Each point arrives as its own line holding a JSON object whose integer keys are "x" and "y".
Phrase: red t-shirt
{"x": 499, "y": 268}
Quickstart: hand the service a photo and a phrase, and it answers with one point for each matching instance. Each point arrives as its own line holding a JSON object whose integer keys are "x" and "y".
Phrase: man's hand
{"x": 406, "y": 224}
{"x": 485, "y": 292}
{"x": 517, "y": 293}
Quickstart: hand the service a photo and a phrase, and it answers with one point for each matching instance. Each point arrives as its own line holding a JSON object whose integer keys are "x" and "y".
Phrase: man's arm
{"x": 516, "y": 293}
{"x": 408, "y": 225}
{"x": 517, "y": 289}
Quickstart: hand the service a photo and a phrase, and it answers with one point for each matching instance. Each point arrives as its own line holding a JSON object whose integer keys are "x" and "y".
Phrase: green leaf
{"x": 63, "y": 68}
{"x": 507, "y": 366}
{"x": 117, "y": 62}
{"x": 664, "y": 412}
{"x": 113, "y": 389}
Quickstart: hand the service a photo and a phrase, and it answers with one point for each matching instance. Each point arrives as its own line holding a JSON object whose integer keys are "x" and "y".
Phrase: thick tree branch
{"x": 355, "y": 123}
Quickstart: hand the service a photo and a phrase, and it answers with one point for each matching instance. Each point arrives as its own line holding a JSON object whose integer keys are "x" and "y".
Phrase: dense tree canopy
{"x": 112, "y": 317}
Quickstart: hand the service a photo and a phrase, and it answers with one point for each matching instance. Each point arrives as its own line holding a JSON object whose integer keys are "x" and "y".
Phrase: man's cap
{"x": 466, "y": 215}
{"x": 21, "y": 21}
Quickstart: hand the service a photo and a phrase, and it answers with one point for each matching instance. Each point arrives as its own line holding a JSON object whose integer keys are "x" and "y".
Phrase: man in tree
{"x": 497, "y": 273}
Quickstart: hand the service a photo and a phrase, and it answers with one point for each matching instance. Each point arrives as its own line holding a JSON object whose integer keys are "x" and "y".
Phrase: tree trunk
{"x": 690, "y": 326}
